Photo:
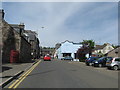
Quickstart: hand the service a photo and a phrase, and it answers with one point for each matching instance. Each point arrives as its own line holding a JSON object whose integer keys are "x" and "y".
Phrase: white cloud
{"x": 54, "y": 16}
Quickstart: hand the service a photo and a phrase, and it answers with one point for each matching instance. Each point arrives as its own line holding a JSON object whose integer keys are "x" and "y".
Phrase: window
{"x": 117, "y": 59}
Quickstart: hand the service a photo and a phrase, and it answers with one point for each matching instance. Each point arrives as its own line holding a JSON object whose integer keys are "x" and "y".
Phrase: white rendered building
{"x": 68, "y": 48}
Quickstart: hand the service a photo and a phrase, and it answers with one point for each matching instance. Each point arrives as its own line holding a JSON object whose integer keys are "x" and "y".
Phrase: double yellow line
{"x": 19, "y": 80}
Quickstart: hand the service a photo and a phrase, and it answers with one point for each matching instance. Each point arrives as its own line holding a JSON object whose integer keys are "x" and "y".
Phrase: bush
{"x": 82, "y": 59}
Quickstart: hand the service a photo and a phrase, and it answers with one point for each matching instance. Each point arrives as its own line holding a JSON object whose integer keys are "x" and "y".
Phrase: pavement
{"x": 11, "y": 71}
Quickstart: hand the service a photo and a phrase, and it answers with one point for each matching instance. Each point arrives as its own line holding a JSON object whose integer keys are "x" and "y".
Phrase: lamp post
{"x": 41, "y": 54}
{"x": 38, "y": 31}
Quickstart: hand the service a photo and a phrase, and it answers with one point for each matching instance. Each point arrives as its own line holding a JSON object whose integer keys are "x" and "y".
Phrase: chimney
{"x": 2, "y": 14}
{"x": 22, "y": 26}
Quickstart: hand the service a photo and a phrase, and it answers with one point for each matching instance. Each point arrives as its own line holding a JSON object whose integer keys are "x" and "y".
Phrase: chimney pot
{"x": 2, "y": 14}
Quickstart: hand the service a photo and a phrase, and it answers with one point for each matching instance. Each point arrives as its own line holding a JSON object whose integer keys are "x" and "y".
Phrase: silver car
{"x": 113, "y": 63}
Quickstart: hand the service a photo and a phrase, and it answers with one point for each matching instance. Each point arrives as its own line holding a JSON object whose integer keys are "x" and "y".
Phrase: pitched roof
{"x": 31, "y": 34}
{"x": 69, "y": 42}
{"x": 117, "y": 49}
{"x": 100, "y": 47}
{"x": 30, "y": 31}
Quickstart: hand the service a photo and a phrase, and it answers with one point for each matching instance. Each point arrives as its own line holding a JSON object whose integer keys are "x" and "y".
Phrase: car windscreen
{"x": 109, "y": 59}
{"x": 93, "y": 58}
{"x": 101, "y": 58}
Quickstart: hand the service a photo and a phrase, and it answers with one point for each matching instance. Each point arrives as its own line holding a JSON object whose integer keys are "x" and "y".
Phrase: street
{"x": 67, "y": 74}
{"x": 59, "y": 44}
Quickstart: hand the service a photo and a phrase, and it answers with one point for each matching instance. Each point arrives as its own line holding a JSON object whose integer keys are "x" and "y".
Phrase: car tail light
{"x": 112, "y": 61}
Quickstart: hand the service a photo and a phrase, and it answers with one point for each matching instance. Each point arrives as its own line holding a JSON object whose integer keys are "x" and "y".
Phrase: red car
{"x": 47, "y": 58}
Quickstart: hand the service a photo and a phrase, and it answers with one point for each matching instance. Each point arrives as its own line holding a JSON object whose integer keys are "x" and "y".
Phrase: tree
{"x": 81, "y": 53}
{"x": 90, "y": 44}
{"x": 115, "y": 46}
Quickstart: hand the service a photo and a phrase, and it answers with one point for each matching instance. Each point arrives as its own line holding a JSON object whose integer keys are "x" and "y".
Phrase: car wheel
{"x": 94, "y": 65}
{"x": 115, "y": 67}
{"x": 100, "y": 65}
{"x": 87, "y": 64}
{"x": 90, "y": 64}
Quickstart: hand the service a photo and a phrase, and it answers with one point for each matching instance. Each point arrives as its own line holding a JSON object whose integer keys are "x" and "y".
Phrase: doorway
{"x": 66, "y": 54}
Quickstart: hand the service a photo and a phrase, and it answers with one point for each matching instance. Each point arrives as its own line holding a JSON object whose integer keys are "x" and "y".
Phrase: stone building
{"x": 45, "y": 51}
{"x": 12, "y": 40}
{"x": 1, "y": 17}
{"x": 18, "y": 27}
{"x": 114, "y": 52}
{"x": 31, "y": 36}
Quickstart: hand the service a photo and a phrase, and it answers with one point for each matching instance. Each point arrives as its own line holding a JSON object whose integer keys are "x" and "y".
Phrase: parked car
{"x": 101, "y": 61}
{"x": 47, "y": 58}
{"x": 89, "y": 61}
{"x": 67, "y": 58}
{"x": 113, "y": 63}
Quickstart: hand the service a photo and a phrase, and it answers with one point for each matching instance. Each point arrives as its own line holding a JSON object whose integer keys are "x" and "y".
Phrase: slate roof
{"x": 17, "y": 27}
{"x": 31, "y": 34}
{"x": 101, "y": 46}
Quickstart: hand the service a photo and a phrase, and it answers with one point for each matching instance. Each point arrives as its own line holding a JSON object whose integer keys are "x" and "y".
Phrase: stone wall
{"x": 8, "y": 41}
{"x": 11, "y": 40}
{"x": 34, "y": 41}
{"x": 25, "y": 51}
{"x": 0, "y": 45}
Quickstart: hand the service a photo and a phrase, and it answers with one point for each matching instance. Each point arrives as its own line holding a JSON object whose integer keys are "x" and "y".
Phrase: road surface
{"x": 68, "y": 74}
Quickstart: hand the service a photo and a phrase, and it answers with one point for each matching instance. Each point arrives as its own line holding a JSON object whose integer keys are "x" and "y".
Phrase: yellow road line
{"x": 24, "y": 75}
{"x": 18, "y": 79}
{"x": 22, "y": 79}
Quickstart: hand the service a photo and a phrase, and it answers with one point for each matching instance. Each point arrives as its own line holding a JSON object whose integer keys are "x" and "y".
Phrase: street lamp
{"x": 42, "y": 27}
{"x": 38, "y": 31}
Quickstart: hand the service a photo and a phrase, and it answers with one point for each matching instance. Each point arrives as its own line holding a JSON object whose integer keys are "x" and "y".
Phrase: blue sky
{"x": 74, "y": 21}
